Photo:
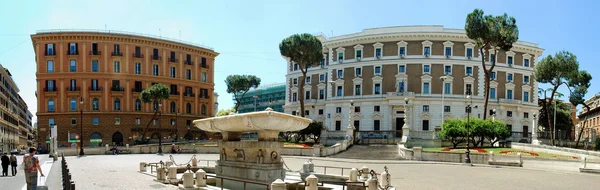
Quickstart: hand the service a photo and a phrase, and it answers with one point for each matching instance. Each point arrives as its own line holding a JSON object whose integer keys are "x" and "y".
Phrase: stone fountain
{"x": 251, "y": 160}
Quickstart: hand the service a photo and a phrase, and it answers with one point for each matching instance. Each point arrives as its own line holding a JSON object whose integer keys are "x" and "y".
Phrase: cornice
{"x": 121, "y": 38}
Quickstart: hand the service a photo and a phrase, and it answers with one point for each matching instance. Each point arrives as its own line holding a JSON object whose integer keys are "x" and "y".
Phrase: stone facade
{"x": 107, "y": 72}
{"x": 589, "y": 120}
{"x": 15, "y": 123}
{"x": 408, "y": 62}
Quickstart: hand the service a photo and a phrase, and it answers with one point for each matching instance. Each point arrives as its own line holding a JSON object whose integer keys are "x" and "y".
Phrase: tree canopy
{"x": 239, "y": 85}
{"x": 156, "y": 93}
{"x": 497, "y": 32}
{"x": 305, "y": 50}
{"x": 226, "y": 112}
{"x": 456, "y": 131}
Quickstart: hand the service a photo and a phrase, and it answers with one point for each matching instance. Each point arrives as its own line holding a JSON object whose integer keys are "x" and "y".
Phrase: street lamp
{"x": 81, "y": 153}
{"x": 443, "y": 92}
{"x": 468, "y": 153}
{"x": 160, "y": 151}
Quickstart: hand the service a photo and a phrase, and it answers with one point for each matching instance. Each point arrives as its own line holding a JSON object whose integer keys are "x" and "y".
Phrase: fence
{"x": 67, "y": 181}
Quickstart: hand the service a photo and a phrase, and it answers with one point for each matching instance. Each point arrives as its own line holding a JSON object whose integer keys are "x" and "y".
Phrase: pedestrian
{"x": 5, "y": 163}
{"x": 32, "y": 167}
{"x": 13, "y": 164}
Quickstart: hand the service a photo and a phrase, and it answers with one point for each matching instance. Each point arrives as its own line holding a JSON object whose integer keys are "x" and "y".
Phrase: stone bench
{"x": 515, "y": 161}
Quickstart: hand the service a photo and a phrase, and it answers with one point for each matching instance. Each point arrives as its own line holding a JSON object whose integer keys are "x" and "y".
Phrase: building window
{"x": 447, "y": 88}
{"x": 400, "y": 86}
{"x": 357, "y": 125}
{"x": 73, "y": 65}
{"x": 468, "y": 89}
{"x": 306, "y": 113}
{"x": 173, "y": 72}
{"x": 50, "y": 66}
{"x": 446, "y": 109}
{"x": 73, "y": 104}
{"x": 357, "y": 90}
{"x": 117, "y": 121}
{"x": 117, "y": 67}
{"x": 377, "y": 88}
{"x": 426, "y": 69}
{"x": 50, "y": 105}
{"x": 469, "y": 71}
{"x": 357, "y": 109}
{"x": 338, "y": 125}
{"x": 447, "y": 69}
{"x": 509, "y": 94}
{"x": 295, "y": 81}
{"x": 50, "y": 49}
{"x": 493, "y": 93}
{"x": 95, "y": 121}
{"x": 340, "y": 56}
{"x": 358, "y": 72}
{"x": 94, "y": 65}
{"x": 427, "y": 51}
{"x": 155, "y": 70}
{"x": 525, "y": 115}
{"x": 321, "y": 94}
{"x": 188, "y": 74}
{"x": 95, "y": 104}
{"x": 203, "y": 76}
{"x": 340, "y": 73}
{"x": 339, "y": 91}
{"x": 358, "y": 54}
{"x": 138, "y": 68}
{"x": 448, "y": 51}
{"x": 526, "y": 96}
{"x": 73, "y": 121}
{"x": 51, "y": 121}
{"x": 321, "y": 77}
{"x": 117, "y": 104}
{"x": 138, "y": 105}
{"x": 376, "y": 125}
{"x": 509, "y": 77}
{"x": 338, "y": 110}
{"x": 320, "y": 111}
{"x": 323, "y": 63}
{"x": 525, "y": 79}
{"x": 293, "y": 112}
{"x": 510, "y": 60}
{"x": 425, "y": 125}
{"x": 376, "y": 108}
{"x": 509, "y": 113}
{"x": 294, "y": 97}
{"x": 493, "y": 58}
{"x": 377, "y": 70}
{"x": 72, "y": 48}
{"x": 425, "y": 108}
{"x": 425, "y": 88}
{"x": 295, "y": 66}
{"x": 188, "y": 109}
{"x": 526, "y": 62}
{"x": 493, "y": 76}
{"x": 138, "y": 121}
{"x": 469, "y": 52}
{"x": 308, "y": 79}
{"x": 378, "y": 52}
{"x": 401, "y": 69}
{"x": 402, "y": 51}
{"x": 307, "y": 95}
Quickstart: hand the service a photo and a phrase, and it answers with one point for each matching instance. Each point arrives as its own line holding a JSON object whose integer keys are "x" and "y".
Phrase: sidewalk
{"x": 54, "y": 177}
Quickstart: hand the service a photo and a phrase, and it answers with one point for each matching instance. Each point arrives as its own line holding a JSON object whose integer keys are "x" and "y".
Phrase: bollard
{"x": 172, "y": 174}
{"x": 160, "y": 174}
{"x": 278, "y": 185}
{"x": 194, "y": 161}
{"x": 169, "y": 163}
{"x": 583, "y": 161}
{"x": 364, "y": 172}
{"x": 372, "y": 184}
{"x": 520, "y": 159}
{"x": 491, "y": 156}
{"x": 72, "y": 187}
{"x": 386, "y": 179}
{"x": 353, "y": 175}
{"x": 188, "y": 180}
{"x": 142, "y": 166}
{"x": 106, "y": 148}
{"x": 127, "y": 145}
{"x": 200, "y": 181}
{"x": 311, "y": 182}
{"x": 308, "y": 166}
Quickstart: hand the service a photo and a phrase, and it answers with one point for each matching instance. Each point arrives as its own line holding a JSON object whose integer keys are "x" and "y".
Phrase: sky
{"x": 247, "y": 33}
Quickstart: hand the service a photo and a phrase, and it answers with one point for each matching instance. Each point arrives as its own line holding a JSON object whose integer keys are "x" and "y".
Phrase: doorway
{"x": 399, "y": 125}
{"x": 117, "y": 138}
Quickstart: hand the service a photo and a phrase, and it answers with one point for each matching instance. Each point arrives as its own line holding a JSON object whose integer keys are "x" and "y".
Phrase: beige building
{"x": 378, "y": 68}
{"x": 14, "y": 121}
{"x": 591, "y": 119}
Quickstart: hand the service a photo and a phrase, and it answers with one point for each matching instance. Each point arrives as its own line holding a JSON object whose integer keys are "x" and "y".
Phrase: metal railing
{"x": 51, "y": 89}
{"x": 95, "y": 52}
{"x": 173, "y": 60}
{"x": 137, "y": 90}
{"x": 117, "y": 53}
{"x": 156, "y": 57}
{"x": 116, "y": 88}
{"x": 67, "y": 181}
{"x": 138, "y": 55}
{"x": 96, "y": 89}
{"x": 188, "y": 62}
{"x": 333, "y": 167}
{"x": 189, "y": 94}
{"x": 204, "y": 66}
{"x": 73, "y": 89}
{"x": 122, "y": 33}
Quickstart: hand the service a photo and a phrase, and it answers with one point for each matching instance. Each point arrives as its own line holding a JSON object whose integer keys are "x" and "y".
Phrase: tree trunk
{"x": 486, "y": 76}
{"x": 301, "y": 92}
{"x": 550, "y": 124}
{"x": 455, "y": 142}
{"x": 582, "y": 127}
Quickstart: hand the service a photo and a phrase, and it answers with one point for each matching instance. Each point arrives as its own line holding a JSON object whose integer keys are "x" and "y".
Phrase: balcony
{"x": 173, "y": 60}
{"x": 73, "y": 89}
{"x": 117, "y": 89}
{"x": 73, "y": 52}
{"x": 117, "y": 53}
{"x": 204, "y": 66}
{"x": 51, "y": 89}
{"x": 137, "y": 90}
{"x": 174, "y": 93}
{"x": 204, "y": 97}
{"x": 95, "y": 52}
{"x": 138, "y": 55}
{"x": 96, "y": 89}
{"x": 188, "y": 62}
{"x": 189, "y": 94}
{"x": 50, "y": 53}
{"x": 156, "y": 57}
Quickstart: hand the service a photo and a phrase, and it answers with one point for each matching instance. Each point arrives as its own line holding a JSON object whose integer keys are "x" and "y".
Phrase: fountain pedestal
{"x": 251, "y": 160}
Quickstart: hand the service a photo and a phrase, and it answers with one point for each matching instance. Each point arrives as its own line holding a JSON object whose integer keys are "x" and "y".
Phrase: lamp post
{"x": 160, "y": 152}
{"x": 81, "y": 153}
{"x": 468, "y": 153}
{"x": 443, "y": 92}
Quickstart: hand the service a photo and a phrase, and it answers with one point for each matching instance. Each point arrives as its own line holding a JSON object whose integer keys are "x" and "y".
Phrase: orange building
{"x": 93, "y": 80}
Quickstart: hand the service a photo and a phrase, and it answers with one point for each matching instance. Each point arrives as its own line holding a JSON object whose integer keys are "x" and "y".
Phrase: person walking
{"x": 13, "y": 164}
{"x": 5, "y": 163}
{"x": 32, "y": 167}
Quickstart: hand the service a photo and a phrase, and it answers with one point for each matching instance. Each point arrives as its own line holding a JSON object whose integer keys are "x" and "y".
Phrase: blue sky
{"x": 247, "y": 33}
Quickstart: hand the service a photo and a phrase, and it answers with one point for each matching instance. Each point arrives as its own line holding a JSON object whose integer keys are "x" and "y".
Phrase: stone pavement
{"x": 120, "y": 172}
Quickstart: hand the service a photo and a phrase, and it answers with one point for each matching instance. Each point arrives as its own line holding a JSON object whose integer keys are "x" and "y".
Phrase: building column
{"x": 84, "y": 61}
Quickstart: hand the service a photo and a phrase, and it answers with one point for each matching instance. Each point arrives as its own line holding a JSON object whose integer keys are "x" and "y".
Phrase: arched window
{"x": 188, "y": 108}
{"x": 138, "y": 105}
{"x": 95, "y": 104}
{"x": 172, "y": 107}
{"x": 50, "y": 105}
{"x": 73, "y": 105}
{"x": 117, "y": 104}
{"x": 203, "y": 110}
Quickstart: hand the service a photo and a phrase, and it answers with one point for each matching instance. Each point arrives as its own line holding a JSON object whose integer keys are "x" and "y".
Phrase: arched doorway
{"x": 95, "y": 140}
{"x": 117, "y": 138}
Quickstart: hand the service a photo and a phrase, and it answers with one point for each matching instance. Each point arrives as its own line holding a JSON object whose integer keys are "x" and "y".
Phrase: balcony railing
{"x": 156, "y": 57}
{"x": 72, "y": 89}
{"x": 52, "y": 53}
{"x": 204, "y": 97}
{"x": 204, "y": 66}
{"x": 117, "y": 88}
{"x": 174, "y": 60}
{"x": 188, "y": 62}
{"x": 95, "y": 52}
{"x": 136, "y": 90}
{"x": 138, "y": 55}
{"x": 189, "y": 94}
{"x": 50, "y": 89}
{"x": 117, "y": 53}
{"x": 175, "y": 93}
{"x": 96, "y": 89}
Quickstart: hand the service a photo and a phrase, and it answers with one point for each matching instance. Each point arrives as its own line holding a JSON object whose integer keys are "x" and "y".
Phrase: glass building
{"x": 272, "y": 95}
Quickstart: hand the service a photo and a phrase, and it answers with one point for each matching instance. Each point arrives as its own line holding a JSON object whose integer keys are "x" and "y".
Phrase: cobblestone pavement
{"x": 120, "y": 172}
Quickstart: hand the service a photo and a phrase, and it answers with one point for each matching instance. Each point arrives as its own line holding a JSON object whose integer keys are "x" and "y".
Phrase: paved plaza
{"x": 120, "y": 172}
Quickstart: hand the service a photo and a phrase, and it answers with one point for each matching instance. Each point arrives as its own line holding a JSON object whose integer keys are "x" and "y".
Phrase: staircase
{"x": 370, "y": 152}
